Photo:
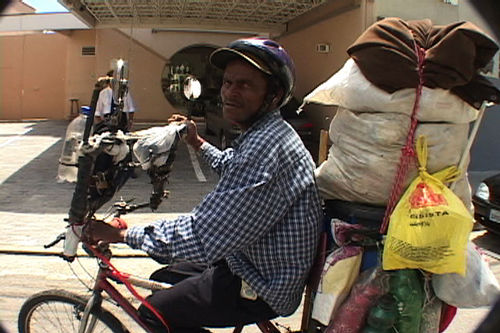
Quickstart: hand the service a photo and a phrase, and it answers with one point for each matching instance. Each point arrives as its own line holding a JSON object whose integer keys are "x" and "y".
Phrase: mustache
{"x": 231, "y": 102}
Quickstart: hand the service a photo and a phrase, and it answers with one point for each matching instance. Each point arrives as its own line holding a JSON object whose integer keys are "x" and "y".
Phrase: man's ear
{"x": 277, "y": 98}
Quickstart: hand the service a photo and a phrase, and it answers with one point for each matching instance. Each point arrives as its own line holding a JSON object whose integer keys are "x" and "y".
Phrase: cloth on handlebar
{"x": 118, "y": 149}
{"x": 154, "y": 144}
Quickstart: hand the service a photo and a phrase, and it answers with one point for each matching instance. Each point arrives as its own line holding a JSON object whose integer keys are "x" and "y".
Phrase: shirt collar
{"x": 268, "y": 116}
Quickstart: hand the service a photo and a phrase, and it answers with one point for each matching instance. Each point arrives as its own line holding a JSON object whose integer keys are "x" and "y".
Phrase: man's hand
{"x": 113, "y": 232}
{"x": 192, "y": 138}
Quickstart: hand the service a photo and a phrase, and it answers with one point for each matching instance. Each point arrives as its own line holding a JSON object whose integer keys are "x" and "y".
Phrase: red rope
{"x": 408, "y": 151}
{"x": 124, "y": 279}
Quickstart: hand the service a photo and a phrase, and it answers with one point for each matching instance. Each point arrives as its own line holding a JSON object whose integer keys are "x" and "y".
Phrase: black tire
{"x": 60, "y": 311}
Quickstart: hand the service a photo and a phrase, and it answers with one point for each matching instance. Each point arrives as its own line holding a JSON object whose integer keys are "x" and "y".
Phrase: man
{"x": 106, "y": 104}
{"x": 257, "y": 231}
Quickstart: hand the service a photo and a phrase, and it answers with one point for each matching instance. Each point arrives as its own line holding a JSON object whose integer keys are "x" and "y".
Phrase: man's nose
{"x": 229, "y": 90}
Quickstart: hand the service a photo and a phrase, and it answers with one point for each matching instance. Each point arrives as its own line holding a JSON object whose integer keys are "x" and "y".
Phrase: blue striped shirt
{"x": 262, "y": 217}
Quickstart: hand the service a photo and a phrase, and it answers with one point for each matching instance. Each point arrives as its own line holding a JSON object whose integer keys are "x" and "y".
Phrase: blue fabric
{"x": 369, "y": 260}
{"x": 263, "y": 217}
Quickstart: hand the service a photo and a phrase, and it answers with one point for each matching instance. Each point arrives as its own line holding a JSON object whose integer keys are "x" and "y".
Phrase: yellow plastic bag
{"x": 430, "y": 225}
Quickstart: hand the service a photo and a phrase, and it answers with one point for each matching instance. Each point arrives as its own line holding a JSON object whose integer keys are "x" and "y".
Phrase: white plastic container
{"x": 68, "y": 162}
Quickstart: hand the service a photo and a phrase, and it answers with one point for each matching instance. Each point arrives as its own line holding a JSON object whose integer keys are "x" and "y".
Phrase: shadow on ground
{"x": 33, "y": 187}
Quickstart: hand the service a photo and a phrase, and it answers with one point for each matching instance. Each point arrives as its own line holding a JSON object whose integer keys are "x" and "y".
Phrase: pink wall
{"x": 44, "y": 76}
{"x": 31, "y": 76}
{"x": 40, "y": 73}
{"x": 10, "y": 77}
{"x": 145, "y": 72}
{"x": 313, "y": 68}
{"x": 81, "y": 73}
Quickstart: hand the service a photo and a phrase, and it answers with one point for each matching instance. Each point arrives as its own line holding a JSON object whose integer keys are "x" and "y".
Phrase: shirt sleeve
{"x": 165, "y": 240}
{"x": 216, "y": 158}
{"x": 246, "y": 204}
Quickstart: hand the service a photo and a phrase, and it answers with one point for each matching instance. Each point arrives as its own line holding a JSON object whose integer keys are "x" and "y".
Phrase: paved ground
{"x": 33, "y": 206}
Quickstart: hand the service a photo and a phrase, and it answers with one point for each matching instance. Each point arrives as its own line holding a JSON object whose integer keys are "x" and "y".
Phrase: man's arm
{"x": 233, "y": 216}
{"x": 216, "y": 158}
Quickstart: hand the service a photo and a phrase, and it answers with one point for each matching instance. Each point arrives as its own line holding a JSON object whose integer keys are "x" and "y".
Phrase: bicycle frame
{"x": 102, "y": 284}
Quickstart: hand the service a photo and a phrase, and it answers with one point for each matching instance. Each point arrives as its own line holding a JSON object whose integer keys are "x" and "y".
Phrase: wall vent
{"x": 88, "y": 51}
{"x": 322, "y": 48}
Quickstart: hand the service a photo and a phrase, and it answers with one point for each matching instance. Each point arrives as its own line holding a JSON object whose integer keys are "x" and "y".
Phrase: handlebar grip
{"x": 71, "y": 241}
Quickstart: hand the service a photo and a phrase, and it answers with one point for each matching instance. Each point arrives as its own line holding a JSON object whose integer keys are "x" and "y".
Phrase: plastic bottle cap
{"x": 85, "y": 110}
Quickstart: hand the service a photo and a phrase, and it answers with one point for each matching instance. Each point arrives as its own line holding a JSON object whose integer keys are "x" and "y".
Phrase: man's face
{"x": 243, "y": 90}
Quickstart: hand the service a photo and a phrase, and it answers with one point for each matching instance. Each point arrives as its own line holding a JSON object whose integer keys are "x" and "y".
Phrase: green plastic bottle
{"x": 382, "y": 316}
{"x": 407, "y": 288}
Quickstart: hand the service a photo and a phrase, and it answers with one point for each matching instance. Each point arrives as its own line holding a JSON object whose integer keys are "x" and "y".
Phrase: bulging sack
{"x": 430, "y": 226}
{"x": 366, "y": 148}
{"x": 479, "y": 287}
{"x": 155, "y": 141}
{"x": 350, "y": 89}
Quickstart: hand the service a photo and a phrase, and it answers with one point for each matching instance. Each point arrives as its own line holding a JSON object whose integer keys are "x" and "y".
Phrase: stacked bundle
{"x": 376, "y": 92}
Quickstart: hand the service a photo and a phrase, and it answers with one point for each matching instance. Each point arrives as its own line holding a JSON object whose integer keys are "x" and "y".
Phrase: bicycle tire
{"x": 61, "y": 311}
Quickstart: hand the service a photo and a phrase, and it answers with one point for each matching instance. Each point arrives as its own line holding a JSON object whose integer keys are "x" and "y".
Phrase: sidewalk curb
{"x": 117, "y": 253}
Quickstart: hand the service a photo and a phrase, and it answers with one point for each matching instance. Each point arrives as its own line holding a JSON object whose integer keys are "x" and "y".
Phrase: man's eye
{"x": 245, "y": 85}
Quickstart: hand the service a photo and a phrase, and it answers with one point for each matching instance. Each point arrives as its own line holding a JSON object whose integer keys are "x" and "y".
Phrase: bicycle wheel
{"x": 61, "y": 311}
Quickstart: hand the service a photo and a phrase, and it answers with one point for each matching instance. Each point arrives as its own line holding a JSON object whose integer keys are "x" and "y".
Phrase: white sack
{"x": 350, "y": 89}
{"x": 365, "y": 152}
{"x": 479, "y": 286}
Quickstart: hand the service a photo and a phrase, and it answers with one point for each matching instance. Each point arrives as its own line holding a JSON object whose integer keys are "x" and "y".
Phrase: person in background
{"x": 244, "y": 253}
{"x": 106, "y": 104}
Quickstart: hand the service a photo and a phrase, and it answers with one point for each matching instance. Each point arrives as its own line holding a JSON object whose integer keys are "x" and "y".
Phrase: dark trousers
{"x": 202, "y": 297}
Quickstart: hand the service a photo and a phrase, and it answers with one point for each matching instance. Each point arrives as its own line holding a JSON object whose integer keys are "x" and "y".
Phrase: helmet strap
{"x": 269, "y": 103}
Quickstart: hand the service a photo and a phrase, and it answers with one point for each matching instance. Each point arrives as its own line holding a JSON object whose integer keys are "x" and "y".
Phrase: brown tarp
{"x": 385, "y": 54}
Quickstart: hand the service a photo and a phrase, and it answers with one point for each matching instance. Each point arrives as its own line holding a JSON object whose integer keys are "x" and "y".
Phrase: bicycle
{"x": 57, "y": 310}
{"x": 60, "y": 310}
